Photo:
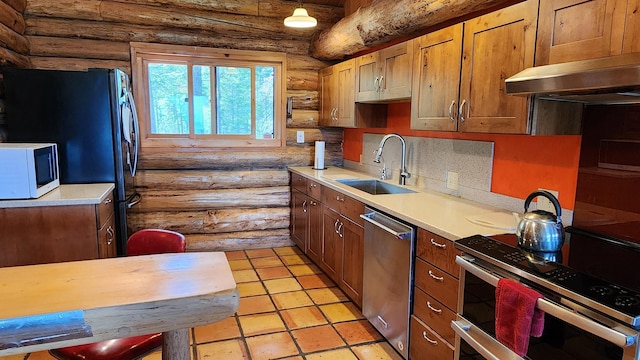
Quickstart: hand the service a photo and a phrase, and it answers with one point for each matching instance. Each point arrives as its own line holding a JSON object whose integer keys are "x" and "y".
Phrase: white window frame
{"x": 144, "y": 53}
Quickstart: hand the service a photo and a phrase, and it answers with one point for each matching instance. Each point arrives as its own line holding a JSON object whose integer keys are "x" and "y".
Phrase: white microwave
{"x": 28, "y": 171}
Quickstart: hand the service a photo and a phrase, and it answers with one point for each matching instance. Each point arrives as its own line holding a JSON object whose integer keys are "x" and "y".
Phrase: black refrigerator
{"x": 91, "y": 116}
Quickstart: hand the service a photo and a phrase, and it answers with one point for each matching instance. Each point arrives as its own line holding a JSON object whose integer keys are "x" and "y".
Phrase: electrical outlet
{"x": 300, "y": 137}
{"x": 542, "y": 203}
{"x": 452, "y": 180}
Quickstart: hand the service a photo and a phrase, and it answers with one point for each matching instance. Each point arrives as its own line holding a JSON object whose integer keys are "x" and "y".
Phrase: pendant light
{"x": 300, "y": 19}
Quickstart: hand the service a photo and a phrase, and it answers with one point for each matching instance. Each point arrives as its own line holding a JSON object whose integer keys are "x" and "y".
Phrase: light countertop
{"x": 68, "y": 194}
{"x": 445, "y": 215}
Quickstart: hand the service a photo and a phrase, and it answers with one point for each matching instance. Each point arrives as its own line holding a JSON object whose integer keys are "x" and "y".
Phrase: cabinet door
{"x": 327, "y": 106}
{"x": 299, "y": 219}
{"x": 396, "y": 66}
{"x": 331, "y": 244}
{"x": 437, "y": 59}
{"x": 631, "y": 39}
{"x": 367, "y": 77}
{"x": 314, "y": 242}
{"x": 344, "y": 94}
{"x": 352, "y": 236}
{"x": 571, "y": 30}
{"x": 495, "y": 47}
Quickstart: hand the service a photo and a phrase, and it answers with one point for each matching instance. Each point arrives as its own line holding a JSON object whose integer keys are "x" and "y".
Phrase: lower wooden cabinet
{"x": 306, "y": 224}
{"x": 46, "y": 234}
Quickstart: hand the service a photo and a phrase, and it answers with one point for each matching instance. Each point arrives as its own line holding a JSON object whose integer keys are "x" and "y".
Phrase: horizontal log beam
{"x": 18, "y": 5}
{"x": 100, "y": 30}
{"x": 328, "y": 135}
{"x": 302, "y": 80}
{"x": 190, "y": 200}
{"x": 383, "y": 21}
{"x": 305, "y": 62}
{"x": 13, "y": 40}
{"x": 11, "y": 18}
{"x": 273, "y": 159}
{"x": 79, "y": 48}
{"x": 242, "y": 240}
{"x": 212, "y": 221}
{"x": 304, "y": 119}
{"x": 304, "y": 99}
{"x": 11, "y": 58}
{"x": 59, "y": 63}
{"x": 209, "y": 179}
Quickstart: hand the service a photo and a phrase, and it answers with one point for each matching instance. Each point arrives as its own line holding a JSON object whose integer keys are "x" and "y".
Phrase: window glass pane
{"x": 233, "y": 97}
{"x": 201, "y": 99}
{"x": 168, "y": 97}
{"x": 265, "y": 106}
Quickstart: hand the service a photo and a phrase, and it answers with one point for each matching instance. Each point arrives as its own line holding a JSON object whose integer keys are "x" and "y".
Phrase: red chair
{"x": 143, "y": 242}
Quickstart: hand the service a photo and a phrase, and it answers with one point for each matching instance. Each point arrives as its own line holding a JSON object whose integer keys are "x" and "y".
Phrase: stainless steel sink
{"x": 375, "y": 187}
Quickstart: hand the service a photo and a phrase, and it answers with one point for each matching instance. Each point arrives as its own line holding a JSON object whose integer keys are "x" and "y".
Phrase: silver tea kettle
{"x": 540, "y": 230}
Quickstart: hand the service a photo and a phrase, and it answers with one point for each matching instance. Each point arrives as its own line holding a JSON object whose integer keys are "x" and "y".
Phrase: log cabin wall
{"x": 221, "y": 200}
{"x": 14, "y": 47}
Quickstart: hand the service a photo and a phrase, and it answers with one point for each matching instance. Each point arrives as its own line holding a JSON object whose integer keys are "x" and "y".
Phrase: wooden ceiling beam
{"x": 383, "y": 21}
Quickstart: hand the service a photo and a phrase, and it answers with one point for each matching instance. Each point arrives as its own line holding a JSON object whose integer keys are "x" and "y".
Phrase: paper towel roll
{"x": 319, "y": 159}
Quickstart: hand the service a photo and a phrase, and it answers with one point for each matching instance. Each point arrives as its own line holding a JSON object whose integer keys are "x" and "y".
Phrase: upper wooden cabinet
{"x": 571, "y": 30}
{"x": 437, "y": 61}
{"x": 492, "y": 48}
{"x": 385, "y": 75}
{"x": 337, "y": 99}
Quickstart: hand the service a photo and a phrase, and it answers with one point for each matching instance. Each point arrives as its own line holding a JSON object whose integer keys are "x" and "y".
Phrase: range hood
{"x": 610, "y": 80}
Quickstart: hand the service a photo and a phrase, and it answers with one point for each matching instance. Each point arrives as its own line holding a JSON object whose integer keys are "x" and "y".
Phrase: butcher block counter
{"x": 445, "y": 215}
{"x": 71, "y": 222}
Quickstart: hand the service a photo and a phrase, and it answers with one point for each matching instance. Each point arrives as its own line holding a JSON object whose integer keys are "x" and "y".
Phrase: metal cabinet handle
{"x": 340, "y": 233}
{"x": 438, "y": 278}
{"x": 451, "y": 116}
{"x": 380, "y": 83}
{"x": 312, "y": 186}
{"x": 438, "y": 311}
{"x": 424, "y": 335}
{"x": 384, "y": 323}
{"x": 335, "y": 226}
{"x": 441, "y": 246}
{"x": 313, "y": 203}
{"x": 304, "y": 206}
{"x": 339, "y": 198}
{"x": 108, "y": 201}
{"x": 461, "y": 110}
{"x": 376, "y": 83}
{"x": 111, "y": 233}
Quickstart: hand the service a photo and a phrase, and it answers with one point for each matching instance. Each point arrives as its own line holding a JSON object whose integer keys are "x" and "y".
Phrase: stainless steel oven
{"x": 585, "y": 317}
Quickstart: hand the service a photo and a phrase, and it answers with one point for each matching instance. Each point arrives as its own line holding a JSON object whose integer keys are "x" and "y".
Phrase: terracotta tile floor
{"x": 288, "y": 310}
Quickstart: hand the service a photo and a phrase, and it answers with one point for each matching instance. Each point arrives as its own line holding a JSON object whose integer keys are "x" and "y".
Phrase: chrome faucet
{"x": 403, "y": 169}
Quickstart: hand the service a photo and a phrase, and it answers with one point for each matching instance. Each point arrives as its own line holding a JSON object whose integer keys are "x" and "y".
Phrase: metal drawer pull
{"x": 108, "y": 201}
{"x": 553, "y": 309}
{"x": 110, "y": 232}
{"x": 441, "y": 246}
{"x": 304, "y": 206}
{"x": 439, "y": 311}
{"x": 313, "y": 203}
{"x": 439, "y": 278}
{"x": 339, "y": 199}
{"x": 424, "y": 335}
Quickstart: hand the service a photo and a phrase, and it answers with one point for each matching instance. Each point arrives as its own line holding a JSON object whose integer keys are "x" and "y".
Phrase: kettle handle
{"x": 548, "y": 195}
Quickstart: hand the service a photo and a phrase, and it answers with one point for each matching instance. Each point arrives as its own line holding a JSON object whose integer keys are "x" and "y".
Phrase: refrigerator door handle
{"x": 133, "y": 200}
{"x": 136, "y": 135}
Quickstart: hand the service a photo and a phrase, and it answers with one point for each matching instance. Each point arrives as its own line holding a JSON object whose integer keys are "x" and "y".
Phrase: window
{"x": 192, "y": 97}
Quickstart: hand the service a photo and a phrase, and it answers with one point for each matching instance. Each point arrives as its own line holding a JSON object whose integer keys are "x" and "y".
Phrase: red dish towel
{"x": 517, "y": 317}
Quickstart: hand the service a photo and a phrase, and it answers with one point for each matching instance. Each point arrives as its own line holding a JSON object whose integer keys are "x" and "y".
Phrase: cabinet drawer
{"x": 438, "y": 251}
{"x": 433, "y": 313}
{"x": 437, "y": 283}
{"x": 346, "y": 206}
{"x": 314, "y": 189}
{"x": 426, "y": 344}
{"x": 299, "y": 182}
{"x": 105, "y": 209}
{"x": 107, "y": 239}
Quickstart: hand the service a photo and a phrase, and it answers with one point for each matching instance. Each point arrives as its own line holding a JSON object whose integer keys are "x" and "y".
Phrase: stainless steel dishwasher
{"x": 388, "y": 274}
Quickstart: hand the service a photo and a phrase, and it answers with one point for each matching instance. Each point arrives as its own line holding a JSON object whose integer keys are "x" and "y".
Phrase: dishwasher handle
{"x": 402, "y": 235}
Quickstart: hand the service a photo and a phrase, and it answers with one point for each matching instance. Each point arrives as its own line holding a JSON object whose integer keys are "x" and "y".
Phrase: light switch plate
{"x": 300, "y": 136}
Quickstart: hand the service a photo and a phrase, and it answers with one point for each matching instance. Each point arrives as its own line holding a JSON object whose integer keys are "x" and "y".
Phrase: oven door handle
{"x": 477, "y": 340}
{"x": 613, "y": 336}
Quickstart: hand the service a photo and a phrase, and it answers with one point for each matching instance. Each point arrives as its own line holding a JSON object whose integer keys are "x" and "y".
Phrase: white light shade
{"x": 300, "y": 19}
